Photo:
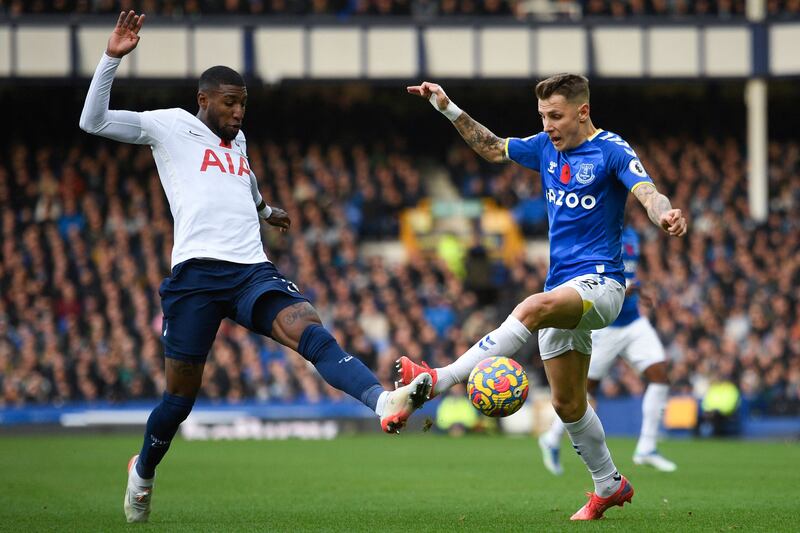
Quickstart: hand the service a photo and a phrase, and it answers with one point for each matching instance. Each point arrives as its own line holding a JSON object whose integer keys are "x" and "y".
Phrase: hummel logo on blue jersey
{"x": 552, "y": 168}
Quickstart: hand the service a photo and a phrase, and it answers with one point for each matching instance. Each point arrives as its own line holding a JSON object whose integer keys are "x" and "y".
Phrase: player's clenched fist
{"x": 125, "y": 36}
{"x": 674, "y": 223}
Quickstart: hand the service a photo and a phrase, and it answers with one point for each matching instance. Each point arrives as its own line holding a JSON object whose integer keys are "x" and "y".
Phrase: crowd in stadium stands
{"x": 416, "y": 8}
{"x": 86, "y": 237}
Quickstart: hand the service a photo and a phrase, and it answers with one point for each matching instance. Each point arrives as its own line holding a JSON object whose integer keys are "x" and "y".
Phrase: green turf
{"x": 413, "y": 482}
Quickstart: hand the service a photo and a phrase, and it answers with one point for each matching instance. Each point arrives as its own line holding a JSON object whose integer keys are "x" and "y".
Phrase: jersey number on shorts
{"x": 592, "y": 283}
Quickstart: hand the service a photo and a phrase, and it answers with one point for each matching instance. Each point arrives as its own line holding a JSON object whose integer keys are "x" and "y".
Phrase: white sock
{"x": 552, "y": 437}
{"x": 504, "y": 341}
{"x": 653, "y": 404}
{"x": 589, "y": 440}
{"x": 138, "y": 480}
{"x": 379, "y": 406}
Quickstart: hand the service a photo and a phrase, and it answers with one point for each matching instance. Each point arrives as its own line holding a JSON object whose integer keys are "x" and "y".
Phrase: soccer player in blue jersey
{"x": 632, "y": 337}
{"x": 586, "y": 175}
{"x": 219, "y": 268}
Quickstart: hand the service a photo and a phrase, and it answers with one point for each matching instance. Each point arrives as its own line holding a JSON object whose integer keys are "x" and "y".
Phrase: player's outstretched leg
{"x": 653, "y": 404}
{"x": 504, "y": 341}
{"x": 349, "y": 374}
{"x": 298, "y": 326}
{"x": 550, "y": 446}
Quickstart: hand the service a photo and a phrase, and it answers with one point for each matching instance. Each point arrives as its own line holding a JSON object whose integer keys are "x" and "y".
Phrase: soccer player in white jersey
{"x": 219, "y": 268}
{"x": 632, "y": 337}
{"x": 586, "y": 175}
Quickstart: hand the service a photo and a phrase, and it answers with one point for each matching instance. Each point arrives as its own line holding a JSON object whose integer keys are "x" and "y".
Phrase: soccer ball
{"x": 498, "y": 386}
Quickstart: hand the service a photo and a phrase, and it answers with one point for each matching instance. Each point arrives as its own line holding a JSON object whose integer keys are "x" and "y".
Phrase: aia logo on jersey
{"x": 211, "y": 159}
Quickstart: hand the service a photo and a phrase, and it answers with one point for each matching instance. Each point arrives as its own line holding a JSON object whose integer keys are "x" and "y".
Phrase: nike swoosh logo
{"x": 195, "y": 134}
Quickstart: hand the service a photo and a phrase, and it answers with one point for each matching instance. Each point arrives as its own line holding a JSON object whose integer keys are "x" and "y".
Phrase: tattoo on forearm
{"x": 654, "y": 202}
{"x": 479, "y": 138}
{"x": 297, "y": 312}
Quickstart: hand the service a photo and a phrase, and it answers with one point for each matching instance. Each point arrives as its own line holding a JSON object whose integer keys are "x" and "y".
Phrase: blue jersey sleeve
{"x": 528, "y": 151}
{"x": 624, "y": 163}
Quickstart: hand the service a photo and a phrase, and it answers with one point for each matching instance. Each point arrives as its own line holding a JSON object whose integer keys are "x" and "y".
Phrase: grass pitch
{"x": 410, "y": 482}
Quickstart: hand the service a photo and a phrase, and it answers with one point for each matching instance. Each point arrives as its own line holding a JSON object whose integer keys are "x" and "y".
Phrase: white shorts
{"x": 602, "y": 302}
{"x": 637, "y": 343}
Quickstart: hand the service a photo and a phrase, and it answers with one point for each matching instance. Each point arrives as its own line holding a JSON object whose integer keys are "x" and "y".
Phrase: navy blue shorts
{"x": 200, "y": 293}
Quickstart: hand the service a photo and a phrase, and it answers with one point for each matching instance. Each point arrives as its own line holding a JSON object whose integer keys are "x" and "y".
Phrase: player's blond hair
{"x": 573, "y": 87}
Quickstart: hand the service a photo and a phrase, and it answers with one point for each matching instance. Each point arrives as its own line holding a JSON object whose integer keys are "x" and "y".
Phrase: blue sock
{"x": 343, "y": 371}
{"x": 161, "y": 428}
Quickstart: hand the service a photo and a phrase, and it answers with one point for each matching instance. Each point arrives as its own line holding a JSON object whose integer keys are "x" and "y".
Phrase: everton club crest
{"x": 585, "y": 174}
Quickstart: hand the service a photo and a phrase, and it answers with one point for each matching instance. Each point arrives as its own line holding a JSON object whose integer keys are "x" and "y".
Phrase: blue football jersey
{"x": 585, "y": 188}
{"x": 630, "y": 258}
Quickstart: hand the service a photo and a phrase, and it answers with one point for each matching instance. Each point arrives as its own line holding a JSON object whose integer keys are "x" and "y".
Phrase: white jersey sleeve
{"x": 124, "y": 126}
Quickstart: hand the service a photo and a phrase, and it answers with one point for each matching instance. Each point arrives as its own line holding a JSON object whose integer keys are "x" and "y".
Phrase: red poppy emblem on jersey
{"x": 565, "y": 174}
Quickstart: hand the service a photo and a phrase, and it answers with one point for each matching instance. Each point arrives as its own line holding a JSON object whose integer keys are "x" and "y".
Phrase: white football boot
{"x": 400, "y": 403}
{"x": 137, "y": 497}
{"x": 656, "y": 460}
{"x": 551, "y": 457}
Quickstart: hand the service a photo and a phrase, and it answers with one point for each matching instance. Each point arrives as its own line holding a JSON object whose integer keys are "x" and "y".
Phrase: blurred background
{"x": 404, "y": 240}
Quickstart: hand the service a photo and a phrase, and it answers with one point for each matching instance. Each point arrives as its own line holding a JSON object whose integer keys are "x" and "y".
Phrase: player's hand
{"x": 280, "y": 219}
{"x": 427, "y": 89}
{"x": 674, "y": 223}
{"x": 647, "y": 297}
{"x": 125, "y": 36}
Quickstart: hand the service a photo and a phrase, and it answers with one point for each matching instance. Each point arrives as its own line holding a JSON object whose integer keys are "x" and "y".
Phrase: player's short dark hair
{"x": 220, "y": 75}
{"x": 573, "y": 87}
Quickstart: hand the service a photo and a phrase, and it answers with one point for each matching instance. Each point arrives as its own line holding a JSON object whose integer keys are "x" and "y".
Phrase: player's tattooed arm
{"x": 488, "y": 145}
{"x": 660, "y": 210}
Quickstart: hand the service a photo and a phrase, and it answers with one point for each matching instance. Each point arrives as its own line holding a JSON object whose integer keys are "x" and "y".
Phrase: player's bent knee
{"x": 184, "y": 378}
{"x": 569, "y": 409}
{"x": 533, "y": 310}
{"x": 291, "y": 322}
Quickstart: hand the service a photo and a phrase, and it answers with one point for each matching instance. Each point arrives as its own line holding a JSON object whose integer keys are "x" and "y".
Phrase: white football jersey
{"x": 207, "y": 183}
{"x": 211, "y": 190}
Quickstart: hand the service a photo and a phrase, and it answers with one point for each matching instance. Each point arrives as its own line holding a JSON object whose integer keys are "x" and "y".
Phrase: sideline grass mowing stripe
{"x": 412, "y": 482}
